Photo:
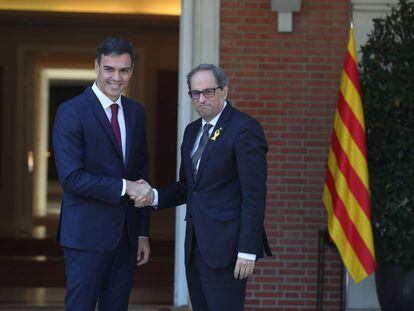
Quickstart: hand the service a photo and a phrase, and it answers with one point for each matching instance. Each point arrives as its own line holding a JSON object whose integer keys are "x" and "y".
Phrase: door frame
{"x": 41, "y": 129}
{"x": 31, "y": 61}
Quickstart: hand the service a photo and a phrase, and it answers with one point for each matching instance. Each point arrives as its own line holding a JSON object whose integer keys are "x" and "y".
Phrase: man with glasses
{"x": 223, "y": 181}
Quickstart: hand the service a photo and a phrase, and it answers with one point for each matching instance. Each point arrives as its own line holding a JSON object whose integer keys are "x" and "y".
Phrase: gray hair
{"x": 217, "y": 71}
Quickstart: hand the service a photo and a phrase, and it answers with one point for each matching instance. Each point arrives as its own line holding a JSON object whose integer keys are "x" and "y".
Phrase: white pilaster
{"x": 199, "y": 43}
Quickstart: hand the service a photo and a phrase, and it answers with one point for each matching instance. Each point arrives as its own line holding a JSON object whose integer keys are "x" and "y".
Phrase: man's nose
{"x": 202, "y": 98}
{"x": 116, "y": 75}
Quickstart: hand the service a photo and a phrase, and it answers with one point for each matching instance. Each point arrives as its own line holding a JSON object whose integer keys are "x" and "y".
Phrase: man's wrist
{"x": 155, "y": 200}
{"x": 246, "y": 256}
{"x": 123, "y": 187}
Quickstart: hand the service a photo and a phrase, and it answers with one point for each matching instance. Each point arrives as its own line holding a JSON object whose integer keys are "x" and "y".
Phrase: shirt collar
{"x": 213, "y": 121}
{"x": 105, "y": 101}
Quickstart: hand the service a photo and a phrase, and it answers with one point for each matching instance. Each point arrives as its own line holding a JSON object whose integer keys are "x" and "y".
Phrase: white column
{"x": 206, "y": 25}
{"x": 181, "y": 297}
{"x": 199, "y": 43}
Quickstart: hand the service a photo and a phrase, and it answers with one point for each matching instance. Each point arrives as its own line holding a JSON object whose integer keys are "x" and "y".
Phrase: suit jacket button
{"x": 194, "y": 192}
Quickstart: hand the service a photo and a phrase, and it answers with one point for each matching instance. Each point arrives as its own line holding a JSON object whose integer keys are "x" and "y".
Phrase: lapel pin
{"x": 216, "y": 134}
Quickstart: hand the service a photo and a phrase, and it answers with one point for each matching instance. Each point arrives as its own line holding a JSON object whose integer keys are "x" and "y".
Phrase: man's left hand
{"x": 143, "y": 251}
{"x": 244, "y": 268}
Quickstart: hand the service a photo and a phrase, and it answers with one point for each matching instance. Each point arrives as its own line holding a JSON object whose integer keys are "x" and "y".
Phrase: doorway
{"x": 56, "y": 86}
{"x": 49, "y": 59}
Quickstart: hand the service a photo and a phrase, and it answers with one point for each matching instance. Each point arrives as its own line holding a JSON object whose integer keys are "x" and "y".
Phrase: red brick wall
{"x": 289, "y": 82}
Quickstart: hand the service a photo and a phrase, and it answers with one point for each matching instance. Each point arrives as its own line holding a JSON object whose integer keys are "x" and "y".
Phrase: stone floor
{"x": 32, "y": 271}
{"x": 51, "y": 299}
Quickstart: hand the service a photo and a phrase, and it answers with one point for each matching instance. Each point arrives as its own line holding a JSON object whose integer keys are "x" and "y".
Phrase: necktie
{"x": 201, "y": 145}
{"x": 115, "y": 124}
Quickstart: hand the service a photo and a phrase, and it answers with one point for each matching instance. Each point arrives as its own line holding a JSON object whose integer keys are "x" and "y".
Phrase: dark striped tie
{"x": 202, "y": 144}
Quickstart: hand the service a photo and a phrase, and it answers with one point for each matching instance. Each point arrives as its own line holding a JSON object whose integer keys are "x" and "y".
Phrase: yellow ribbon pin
{"x": 216, "y": 134}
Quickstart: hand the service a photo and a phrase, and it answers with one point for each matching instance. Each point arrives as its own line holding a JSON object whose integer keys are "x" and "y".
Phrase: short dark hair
{"x": 115, "y": 46}
{"x": 217, "y": 71}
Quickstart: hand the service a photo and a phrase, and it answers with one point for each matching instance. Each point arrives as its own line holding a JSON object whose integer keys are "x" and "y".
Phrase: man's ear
{"x": 96, "y": 66}
{"x": 225, "y": 91}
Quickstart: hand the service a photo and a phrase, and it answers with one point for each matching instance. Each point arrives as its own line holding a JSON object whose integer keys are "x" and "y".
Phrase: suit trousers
{"x": 213, "y": 289}
{"x": 106, "y": 277}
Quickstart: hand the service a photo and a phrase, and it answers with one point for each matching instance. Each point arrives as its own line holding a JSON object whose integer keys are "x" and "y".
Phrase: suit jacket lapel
{"x": 211, "y": 145}
{"x": 189, "y": 144}
{"x": 129, "y": 125}
{"x": 103, "y": 119}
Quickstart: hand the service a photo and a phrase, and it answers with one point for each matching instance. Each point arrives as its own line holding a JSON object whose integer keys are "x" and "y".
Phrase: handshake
{"x": 140, "y": 192}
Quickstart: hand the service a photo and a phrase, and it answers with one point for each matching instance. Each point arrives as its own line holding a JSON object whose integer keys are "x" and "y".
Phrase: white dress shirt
{"x": 106, "y": 103}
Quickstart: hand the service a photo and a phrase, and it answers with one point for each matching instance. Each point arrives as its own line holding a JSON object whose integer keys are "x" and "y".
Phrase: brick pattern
{"x": 289, "y": 82}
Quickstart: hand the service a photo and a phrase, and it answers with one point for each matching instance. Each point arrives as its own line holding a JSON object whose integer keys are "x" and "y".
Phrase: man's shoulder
{"x": 242, "y": 117}
{"x": 132, "y": 104}
{"x": 194, "y": 125}
{"x": 192, "y": 128}
{"x": 77, "y": 102}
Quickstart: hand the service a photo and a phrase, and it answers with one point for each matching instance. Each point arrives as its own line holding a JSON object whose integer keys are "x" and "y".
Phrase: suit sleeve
{"x": 68, "y": 148}
{"x": 251, "y": 147}
{"x": 175, "y": 194}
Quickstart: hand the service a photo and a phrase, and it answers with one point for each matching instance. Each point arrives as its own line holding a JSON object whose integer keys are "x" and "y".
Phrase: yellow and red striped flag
{"x": 346, "y": 190}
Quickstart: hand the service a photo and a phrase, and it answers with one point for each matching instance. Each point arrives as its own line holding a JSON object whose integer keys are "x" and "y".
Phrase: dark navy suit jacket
{"x": 91, "y": 168}
{"x": 226, "y": 202}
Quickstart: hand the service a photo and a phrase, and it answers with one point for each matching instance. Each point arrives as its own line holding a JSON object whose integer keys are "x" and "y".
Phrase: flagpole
{"x": 351, "y": 16}
{"x": 345, "y": 292}
{"x": 346, "y": 191}
{"x": 344, "y": 276}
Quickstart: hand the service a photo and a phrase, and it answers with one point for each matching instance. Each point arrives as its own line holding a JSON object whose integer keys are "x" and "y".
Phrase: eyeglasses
{"x": 207, "y": 93}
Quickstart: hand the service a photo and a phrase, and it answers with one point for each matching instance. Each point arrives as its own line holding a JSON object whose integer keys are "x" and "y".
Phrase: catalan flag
{"x": 346, "y": 190}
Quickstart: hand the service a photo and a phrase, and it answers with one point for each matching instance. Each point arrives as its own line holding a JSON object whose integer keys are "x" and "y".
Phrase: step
{"x": 50, "y": 272}
{"x": 38, "y": 298}
{"x": 39, "y": 263}
{"x": 50, "y": 247}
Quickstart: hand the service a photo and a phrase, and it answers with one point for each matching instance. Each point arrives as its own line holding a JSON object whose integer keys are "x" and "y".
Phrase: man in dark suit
{"x": 223, "y": 181}
{"x": 101, "y": 149}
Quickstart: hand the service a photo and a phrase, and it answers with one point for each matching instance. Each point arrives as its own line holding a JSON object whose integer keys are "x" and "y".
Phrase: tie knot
{"x": 114, "y": 108}
{"x": 207, "y": 127}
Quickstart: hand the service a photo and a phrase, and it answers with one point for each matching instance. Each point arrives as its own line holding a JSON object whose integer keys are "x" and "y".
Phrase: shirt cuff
{"x": 123, "y": 187}
{"x": 143, "y": 237}
{"x": 155, "y": 202}
{"x": 246, "y": 256}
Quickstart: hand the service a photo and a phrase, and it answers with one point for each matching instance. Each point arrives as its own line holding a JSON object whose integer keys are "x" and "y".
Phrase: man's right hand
{"x": 140, "y": 192}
